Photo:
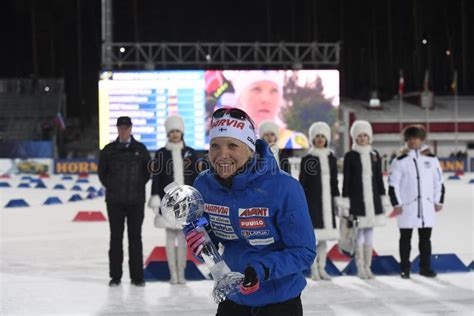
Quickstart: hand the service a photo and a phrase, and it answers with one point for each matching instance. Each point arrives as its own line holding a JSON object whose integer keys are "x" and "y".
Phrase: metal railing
{"x": 160, "y": 55}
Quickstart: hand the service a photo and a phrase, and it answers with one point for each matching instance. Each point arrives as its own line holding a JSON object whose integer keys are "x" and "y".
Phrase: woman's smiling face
{"x": 227, "y": 155}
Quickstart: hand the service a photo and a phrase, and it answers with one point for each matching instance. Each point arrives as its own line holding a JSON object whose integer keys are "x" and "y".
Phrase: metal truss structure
{"x": 116, "y": 55}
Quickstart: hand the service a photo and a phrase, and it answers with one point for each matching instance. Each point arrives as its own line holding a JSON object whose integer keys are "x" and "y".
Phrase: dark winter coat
{"x": 356, "y": 187}
{"x": 124, "y": 171}
{"x": 163, "y": 169}
{"x": 284, "y": 161}
{"x": 311, "y": 178}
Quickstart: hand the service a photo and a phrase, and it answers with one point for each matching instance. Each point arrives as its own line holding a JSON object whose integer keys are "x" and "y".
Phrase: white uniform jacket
{"x": 416, "y": 184}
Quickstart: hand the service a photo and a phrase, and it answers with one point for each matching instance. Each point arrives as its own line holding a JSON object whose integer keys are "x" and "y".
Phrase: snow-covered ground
{"x": 51, "y": 265}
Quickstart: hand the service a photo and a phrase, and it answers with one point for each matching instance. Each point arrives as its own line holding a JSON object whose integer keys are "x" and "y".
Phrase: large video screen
{"x": 294, "y": 99}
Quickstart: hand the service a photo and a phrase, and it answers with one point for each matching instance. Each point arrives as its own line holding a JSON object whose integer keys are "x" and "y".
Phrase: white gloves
{"x": 160, "y": 221}
{"x": 343, "y": 205}
{"x": 154, "y": 203}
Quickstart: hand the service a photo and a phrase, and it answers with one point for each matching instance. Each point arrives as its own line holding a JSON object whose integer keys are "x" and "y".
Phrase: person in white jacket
{"x": 416, "y": 192}
{"x": 177, "y": 163}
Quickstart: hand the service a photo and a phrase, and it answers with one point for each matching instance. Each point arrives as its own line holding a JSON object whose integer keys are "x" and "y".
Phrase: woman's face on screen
{"x": 261, "y": 100}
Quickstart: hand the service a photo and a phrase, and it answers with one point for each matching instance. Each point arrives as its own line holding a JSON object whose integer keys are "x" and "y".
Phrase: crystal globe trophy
{"x": 183, "y": 206}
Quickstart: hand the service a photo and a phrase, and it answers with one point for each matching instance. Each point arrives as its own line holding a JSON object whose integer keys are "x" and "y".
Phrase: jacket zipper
{"x": 420, "y": 213}
{"x": 127, "y": 177}
{"x": 233, "y": 215}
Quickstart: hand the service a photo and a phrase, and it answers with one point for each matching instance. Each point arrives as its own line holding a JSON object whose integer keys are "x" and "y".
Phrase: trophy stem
{"x": 226, "y": 282}
{"x": 219, "y": 270}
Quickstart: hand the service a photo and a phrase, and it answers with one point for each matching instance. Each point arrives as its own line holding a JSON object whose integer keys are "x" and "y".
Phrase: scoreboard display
{"x": 148, "y": 98}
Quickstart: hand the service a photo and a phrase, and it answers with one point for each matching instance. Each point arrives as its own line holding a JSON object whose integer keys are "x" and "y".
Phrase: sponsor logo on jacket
{"x": 255, "y": 233}
{"x": 219, "y": 219}
{"x": 224, "y": 228}
{"x": 254, "y": 211}
{"x": 216, "y": 209}
{"x": 225, "y": 235}
{"x": 261, "y": 242}
{"x": 252, "y": 223}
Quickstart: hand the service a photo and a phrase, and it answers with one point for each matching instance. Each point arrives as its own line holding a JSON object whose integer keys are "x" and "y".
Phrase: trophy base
{"x": 226, "y": 286}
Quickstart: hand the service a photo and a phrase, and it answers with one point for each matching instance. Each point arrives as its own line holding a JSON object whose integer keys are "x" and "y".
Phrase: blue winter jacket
{"x": 263, "y": 221}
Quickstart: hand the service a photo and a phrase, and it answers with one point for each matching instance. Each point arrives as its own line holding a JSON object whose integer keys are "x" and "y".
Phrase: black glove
{"x": 251, "y": 283}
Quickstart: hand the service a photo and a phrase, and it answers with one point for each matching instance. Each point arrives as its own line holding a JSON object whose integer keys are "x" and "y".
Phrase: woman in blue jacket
{"x": 259, "y": 213}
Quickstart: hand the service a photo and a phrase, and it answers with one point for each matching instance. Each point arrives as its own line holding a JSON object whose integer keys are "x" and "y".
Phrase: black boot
{"x": 138, "y": 283}
{"x": 425, "y": 253}
{"x": 114, "y": 282}
{"x": 427, "y": 272}
{"x": 405, "y": 274}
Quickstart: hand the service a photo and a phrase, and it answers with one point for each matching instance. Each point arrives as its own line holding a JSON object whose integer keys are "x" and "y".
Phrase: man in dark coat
{"x": 124, "y": 172}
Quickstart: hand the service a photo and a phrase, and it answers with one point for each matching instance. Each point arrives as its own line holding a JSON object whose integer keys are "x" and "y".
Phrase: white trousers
{"x": 365, "y": 236}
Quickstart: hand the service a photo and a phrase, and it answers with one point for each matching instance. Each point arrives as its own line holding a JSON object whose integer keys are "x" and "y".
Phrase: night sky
{"x": 378, "y": 37}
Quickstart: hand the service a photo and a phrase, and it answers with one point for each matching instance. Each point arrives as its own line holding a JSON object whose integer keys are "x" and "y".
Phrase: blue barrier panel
{"x": 101, "y": 192}
{"x": 24, "y": 185}
{"x": 52, "y": 200}
{"x": 91, "y": 189}
{"x": 76, "y": 188}
{"x": 448, "y": 262}
{"x": 82, "y": 181}
{"x": 381, "y": 265}
{"x": 66, "y": 178}
{"x": 90, "y": 195}
{"x": 454, "y": 177}
{"x": 330, "y": 268}
{"x": 40, "y": 185}
{"x": 385, "y": 265}
{"x": 17, "y": 203}
{"x": 350, "y": 269}
{"x": 4, "y": 185}
{"x": 159, "y": 271}
{"x": 26, "y": 178}
{"x": 471, "y": 181}
{"x": 471, "y": 266}
{"x": 75, "y": 197}
{"x": 59, "y": 186}
{"x": 33, "y": 180}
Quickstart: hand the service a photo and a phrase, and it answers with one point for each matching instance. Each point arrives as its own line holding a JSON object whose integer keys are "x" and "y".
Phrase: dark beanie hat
{"x": 414, "y": 131}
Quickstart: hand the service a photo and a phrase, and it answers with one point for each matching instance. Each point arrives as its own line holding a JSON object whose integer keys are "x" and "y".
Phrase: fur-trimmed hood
{"x": 424, "y": 150}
